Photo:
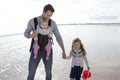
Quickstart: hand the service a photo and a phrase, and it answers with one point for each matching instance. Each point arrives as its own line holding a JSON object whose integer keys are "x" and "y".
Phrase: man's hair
{"x": 48, "y": 7}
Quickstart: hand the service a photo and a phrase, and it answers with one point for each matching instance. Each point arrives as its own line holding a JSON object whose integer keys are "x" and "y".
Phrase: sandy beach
{"x": 101, "y": 43}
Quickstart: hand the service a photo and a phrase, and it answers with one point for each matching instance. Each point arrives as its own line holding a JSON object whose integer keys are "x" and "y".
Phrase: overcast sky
{"x": 16, "y": 13}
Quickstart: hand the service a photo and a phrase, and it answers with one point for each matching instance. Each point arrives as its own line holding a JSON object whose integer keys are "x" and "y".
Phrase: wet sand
{"x": 101, "y": 43}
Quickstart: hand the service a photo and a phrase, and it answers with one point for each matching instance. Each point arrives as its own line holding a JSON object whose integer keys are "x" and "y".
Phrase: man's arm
{"x": 63, "y": 52}
{"x": 59, "y": 39}
{"x": 28, "y": 30}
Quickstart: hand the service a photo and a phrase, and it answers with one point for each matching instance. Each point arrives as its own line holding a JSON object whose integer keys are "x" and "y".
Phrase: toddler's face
{"x": 76, "y": 45}
{"x": 44, "y": 25}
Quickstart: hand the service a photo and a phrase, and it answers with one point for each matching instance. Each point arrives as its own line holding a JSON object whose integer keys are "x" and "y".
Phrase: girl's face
{"x": 76, "y": 46}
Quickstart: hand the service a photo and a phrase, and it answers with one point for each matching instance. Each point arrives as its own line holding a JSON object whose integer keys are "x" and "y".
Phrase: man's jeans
{"x": 33, "y": 64}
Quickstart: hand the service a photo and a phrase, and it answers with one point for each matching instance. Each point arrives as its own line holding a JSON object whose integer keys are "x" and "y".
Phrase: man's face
{"x": 47, "y": 14}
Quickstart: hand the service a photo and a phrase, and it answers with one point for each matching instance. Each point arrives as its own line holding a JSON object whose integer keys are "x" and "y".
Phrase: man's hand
{"x": 63, "y": 55}
{"x": 33, "y": 35}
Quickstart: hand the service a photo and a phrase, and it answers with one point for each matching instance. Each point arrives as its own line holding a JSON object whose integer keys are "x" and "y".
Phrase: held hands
{"x": 63, "y": 52}
{"x": 63, "y": 55}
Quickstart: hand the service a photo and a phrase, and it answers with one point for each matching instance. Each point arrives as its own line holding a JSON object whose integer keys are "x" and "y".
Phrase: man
{"x": 33, "y": 63}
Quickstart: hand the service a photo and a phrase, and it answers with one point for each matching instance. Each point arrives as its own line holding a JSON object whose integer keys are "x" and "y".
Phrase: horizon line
{"x": 89, "y": 23}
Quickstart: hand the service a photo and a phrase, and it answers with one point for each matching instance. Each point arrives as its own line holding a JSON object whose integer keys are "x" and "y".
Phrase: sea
{"x": 101, "y": 41}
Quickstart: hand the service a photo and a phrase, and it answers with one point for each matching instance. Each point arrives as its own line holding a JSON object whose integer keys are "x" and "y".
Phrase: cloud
{"x": 105, "y": 17}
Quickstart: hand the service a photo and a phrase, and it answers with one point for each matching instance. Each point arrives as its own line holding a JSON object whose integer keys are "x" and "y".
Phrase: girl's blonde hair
{"x": 81, "y": 45}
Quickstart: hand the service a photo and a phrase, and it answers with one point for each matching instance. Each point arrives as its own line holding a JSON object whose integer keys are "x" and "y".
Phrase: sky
{"x": 15, "y": 14}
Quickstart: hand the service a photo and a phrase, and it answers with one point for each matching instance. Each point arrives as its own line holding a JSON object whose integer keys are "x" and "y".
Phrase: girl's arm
{"x": 86, "y": 62}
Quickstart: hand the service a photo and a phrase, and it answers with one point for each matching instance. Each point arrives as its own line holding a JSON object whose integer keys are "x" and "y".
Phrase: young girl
{"x": 78, "y": 55}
